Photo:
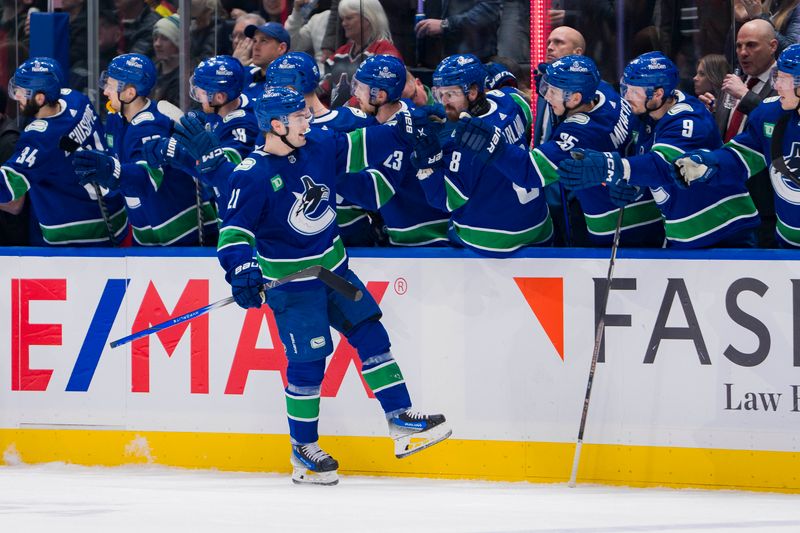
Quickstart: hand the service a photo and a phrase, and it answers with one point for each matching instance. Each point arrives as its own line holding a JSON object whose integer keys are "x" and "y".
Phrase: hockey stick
{"x": 70, "y": 145}
{"x": 332, "y": 280}
{"x": 598, "y": 338}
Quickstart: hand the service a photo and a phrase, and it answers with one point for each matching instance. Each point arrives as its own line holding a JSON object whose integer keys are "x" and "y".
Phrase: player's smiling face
{"x": 299, "y": 125}
{"x": 636, "y": 97}
{"x": 784, "y": 84}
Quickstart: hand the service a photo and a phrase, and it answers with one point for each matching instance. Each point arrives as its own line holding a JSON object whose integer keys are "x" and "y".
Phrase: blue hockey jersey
{"x": 704, "y": 214}
{"x": 283, "y": 208}
{"x": 749, "y": 153}
{"x": 161, "y": 202}
{"x": 355, "y": 226}
{"x": 238, "y": 134}
{"x": 408, "y": 217}
{"x": 67, "y": 212}
{"x": 489, "y": 214}
{"x": 607, "y": 127}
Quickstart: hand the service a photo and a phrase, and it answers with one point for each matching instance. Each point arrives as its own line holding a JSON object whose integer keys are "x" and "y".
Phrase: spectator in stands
{"x": 307, "y": 33}
{"x": 367, "y": 32}
{"x": 783, "y": 14}
{"x": 270, "y": 41}
{"x": 137, "y": 26}
{"x": 166, "y": 36}
{"x": 207, "y": 30}
{"x": 514, "y": 34}
{"x": 711, "y": 72}
{"x": 460, "y": 26}
{"x": 241, "y": 44}
{"x": 274, "y": 10}
{"x": 400, "y": 16}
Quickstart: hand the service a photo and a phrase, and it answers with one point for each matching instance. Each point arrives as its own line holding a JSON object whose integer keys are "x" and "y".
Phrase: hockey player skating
{"x": 591, "y": 116}
{"x": 280, "y": 219}
{"x": 68, "y": 213}
{"x": 488, "y": 214}
{"x": 228, "y": 122}
{"x": 164, "y": 206}
{"x": 772, "y": 130}
{"x": 674, "y": 123}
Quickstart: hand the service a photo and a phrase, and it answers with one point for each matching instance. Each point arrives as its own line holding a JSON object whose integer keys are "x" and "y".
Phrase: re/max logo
{"x": 152, "y": 310}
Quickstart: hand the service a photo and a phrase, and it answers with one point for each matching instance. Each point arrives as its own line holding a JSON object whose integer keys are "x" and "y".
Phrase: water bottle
{"x": 729, "y": 102}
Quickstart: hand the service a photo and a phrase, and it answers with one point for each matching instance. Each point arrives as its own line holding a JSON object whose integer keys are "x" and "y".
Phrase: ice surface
{"x": 144, "y": 499}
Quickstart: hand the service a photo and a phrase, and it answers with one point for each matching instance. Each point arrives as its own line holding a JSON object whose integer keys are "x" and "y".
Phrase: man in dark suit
{"x": 756, "y": 46}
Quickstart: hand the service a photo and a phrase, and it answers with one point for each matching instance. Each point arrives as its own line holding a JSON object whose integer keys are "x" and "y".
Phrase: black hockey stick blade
{"x": 340, "y": 285}
{"x": 68, "y": 145}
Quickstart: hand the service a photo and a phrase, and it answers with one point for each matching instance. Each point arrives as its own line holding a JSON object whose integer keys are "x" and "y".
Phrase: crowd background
{"x": 698, "y": 35}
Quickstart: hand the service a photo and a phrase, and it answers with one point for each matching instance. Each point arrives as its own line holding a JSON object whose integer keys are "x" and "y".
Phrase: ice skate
{"x": 313, "y": 465}
{"x": 413, "y": 432}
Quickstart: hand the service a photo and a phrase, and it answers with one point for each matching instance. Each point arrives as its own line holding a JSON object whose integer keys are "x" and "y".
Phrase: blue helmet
{"x": 277, "y": 103}
{"x": 37, "y": 75}
{"x": 651, "y": 71}
{"x": 789, "y": 62}
{"x": 218, "y": 74}
{"x": 382, "y": 72}
{"x": 295, "y": 69}
{"x": 464, "y": 70}
{"x": 131, "y": 69}
{"x": 572, "y": 74}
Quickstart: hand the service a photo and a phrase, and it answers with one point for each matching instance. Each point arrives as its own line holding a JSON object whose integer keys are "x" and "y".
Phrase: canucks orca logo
{"x": 784, "y": 187}
{"x": 311, "y": 213}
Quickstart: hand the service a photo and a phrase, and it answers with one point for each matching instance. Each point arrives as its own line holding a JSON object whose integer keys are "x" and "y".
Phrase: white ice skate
{"x": 313, "y": 465}
{"x": 412, "y": 432}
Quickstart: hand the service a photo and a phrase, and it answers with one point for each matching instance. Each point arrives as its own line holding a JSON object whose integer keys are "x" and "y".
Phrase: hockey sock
{"x": 302, "y": 399}
{"x": 383, "y": 375}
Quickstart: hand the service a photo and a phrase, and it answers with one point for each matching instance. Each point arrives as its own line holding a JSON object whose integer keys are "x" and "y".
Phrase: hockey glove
{"x": 93, "y": 166}
{"x": 422, "y": 117}
{"x": 622, "y": 194}
{"x": 427, "y": 151}
{"x": 247, "y": 285}
{"x": 695, "y": 167}
{"x": 588, "y": 168}
{"x": 195, "y": 135}
{"x": 481, "y": 137}
{"x": 167, "y": 151}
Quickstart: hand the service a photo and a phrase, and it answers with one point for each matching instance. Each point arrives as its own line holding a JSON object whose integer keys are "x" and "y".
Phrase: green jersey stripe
{"x": 235, "y": 235}
{"x": 502, "y": 240}
{"x": 85, "y": 231}
{"x": 383, "y": 376}
{"x": 16, "y": 183}
{"x": 667, "y": 151}
{"x": 302, "y": 408}
{"x": 710, "y": 219}
{"x": 753, "y": 161}
{"x": 455, "y": 198}
{"x": 156, "y": 175}
{"x": 175, "y": 228}
{"x": 419, "y": 234}
{"x": 546, "y": 169}
{"x": 526, "y": 108}
{"x": 331, "y": 258}
{"x": 356, "y": 150}
{"x": 636, "y": 214}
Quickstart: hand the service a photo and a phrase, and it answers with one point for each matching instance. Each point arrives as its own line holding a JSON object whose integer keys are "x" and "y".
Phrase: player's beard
{"x": 452, "y": 113}
{"x": 30, "y": 108}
